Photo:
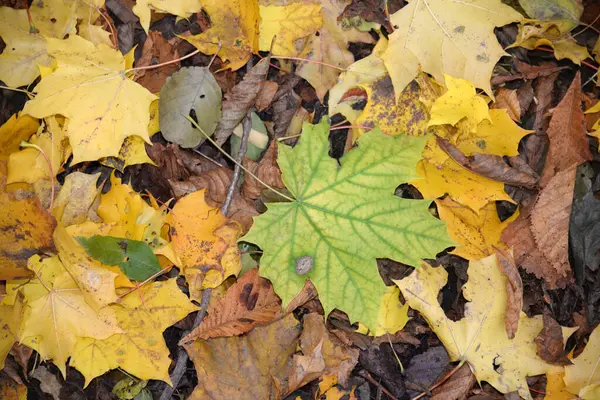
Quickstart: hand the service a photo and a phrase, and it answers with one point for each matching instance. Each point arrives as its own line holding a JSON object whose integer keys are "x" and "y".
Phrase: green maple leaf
{"x": 344, "y": 218}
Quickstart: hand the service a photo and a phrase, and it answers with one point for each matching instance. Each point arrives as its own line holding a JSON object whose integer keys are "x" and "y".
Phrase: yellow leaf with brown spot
{"x": 140, "y": 350}
{"x": 476, "y": 233}
{"x": 10, "y": 323}
{"x": 205, "y": 241}
{"x": 288, "y": 23}
{"x": 53, "y": 322}
{"x": 234, "y": 26}
{"x": 75, "y": 198}
{"x": 90, "y": 87}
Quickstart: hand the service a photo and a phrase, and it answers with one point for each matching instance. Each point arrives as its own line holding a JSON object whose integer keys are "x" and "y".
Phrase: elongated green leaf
{"x": 344, "y": 218}
{"x": 136, "y": 259}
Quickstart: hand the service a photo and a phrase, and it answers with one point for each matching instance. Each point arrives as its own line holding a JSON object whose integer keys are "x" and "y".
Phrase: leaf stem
{"x": 235, "y": 161}
{"x": 38, "y": 148}
{"x": 17, "y": 90}
{"x": 193, "y": 53}
{"x": 139, "y": 285}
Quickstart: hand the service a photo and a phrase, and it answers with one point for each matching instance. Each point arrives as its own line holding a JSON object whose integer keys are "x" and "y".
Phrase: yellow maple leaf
{"x": 234, "y": 26}
{"x": 29, "y": 165}
{"x": 392, "y": 317}
{"x": 289, "y": 22}
{"x": 460, "y": 101}
{"x": 10, "y": 322}
{"x": 462, "y": 185}
{"x": 480, "y": 337}
{"x": 596, "y": 128}
{"x": 584, "y": 374}
{"x": 90, "y": 87}
{"x": 329, "y": 47}
{"x": 476, "y": 232}
{"x": 17, "y": 129}
{"x": 205, "y": 241}
{"x": 53, "y": 322}
{"x": 447, "y": 37}
{"x": 73, "y": 202}
{"x": 533, "y": 33}
{"x": 181, "y": 8}
{"x": 140, "y": 349}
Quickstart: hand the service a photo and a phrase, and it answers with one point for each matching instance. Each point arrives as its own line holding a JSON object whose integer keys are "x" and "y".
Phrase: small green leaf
{"x": 345, "y": 218}
{"x": 136, "y": 259}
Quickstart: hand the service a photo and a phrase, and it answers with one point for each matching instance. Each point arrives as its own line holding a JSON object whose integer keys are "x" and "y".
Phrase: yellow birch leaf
{"x": 181, "y": 8}
{"x": 289, "y": 22}
{"x": 53, "y": 322}
{"x": 140, "y": 349}
{"x": 90, "y": 88}
{"x": 96, "y": 282}
{"x": 585, "y": 371}
{"x": 235, "y": 26}
{"x": 462, "y": 185}
{"x": 205, "y": 241}
{"x": 329, "y": 46}
{"x": 29, "y": 165}
{"x": 447, "y": 37}
{"x": 14, "y": 131}
{"x": 476, "y": 233}
{"x": 533, "y": 33}
{"x": 480, "y": 337}
{"x": 460, "y": 101}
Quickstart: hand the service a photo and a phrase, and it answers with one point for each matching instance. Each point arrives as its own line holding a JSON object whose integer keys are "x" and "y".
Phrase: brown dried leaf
{"x": 267, "y": 170}
{"x": 527, "y": 71}
{"x": 514, "y": 290}
{"x": 457, "y": 387}
{"x": 239, "y": 100}
{"x": 266, "y": 95}
{"x": 543, "y": 95}
{"x": 320, "y": 355}
{"x": 550, "y": 345}
{"x": 569, "y": 145}
{"x": 307, "y": 293}
{"x": 156, "y": 50}
{"x": 490, "y": 166}
{"x": 285, "y": 106}
{"x": 507, "y": 99}
{"x": 249, "y": 302}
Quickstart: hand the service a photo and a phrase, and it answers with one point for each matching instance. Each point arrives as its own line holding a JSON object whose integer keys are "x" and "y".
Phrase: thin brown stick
{"x": 440, "y": 382}
{"x": 365, "y": 374}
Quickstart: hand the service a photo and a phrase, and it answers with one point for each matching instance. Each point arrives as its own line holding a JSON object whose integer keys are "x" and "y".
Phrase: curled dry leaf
{"x": 507, "y": 99}
{"x": 156, "y": 50}
{"x": 285, "y": 105}
{"x": 239, "y": 100}
{"x": 266, "y": 95}
{"x": 267, "y": 170}
{"x": 514, "y": 291}
{"x": 549, "y": 341}
{"x": 217, "y": 183}
{"x": 249, "y": 302}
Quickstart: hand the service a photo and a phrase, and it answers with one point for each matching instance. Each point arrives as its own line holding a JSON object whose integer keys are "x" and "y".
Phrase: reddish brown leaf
{"x": 507, "y": 99}
{"x": 267, "y": 170}
{"x": 543, "y": 94}
{"x": 457, "y": 386}
{"x": 156, "y": 50}
{"x": 549, "y": 341}
{"x": 239, "y": 100}
{"x": 514, "y": 290}
{"x": 249, "y": 302}
{"x": 266, "y": 95}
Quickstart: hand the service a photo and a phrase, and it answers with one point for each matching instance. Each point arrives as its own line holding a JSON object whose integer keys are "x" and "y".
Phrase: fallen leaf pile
{"x": 303, "y": 199}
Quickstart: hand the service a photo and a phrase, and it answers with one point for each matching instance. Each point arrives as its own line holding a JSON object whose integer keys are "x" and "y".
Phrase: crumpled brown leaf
{"x": 217, "y": 181}
{"x": 251, "y": 301}
{"x": 550, "y": 345}
{"x": 156, "y": 50}
{"x": 285, "y": 105}
{"x": 540, "y": 235}
{"x": 514, "y": 290}
{"x": 507, "y": 99}
{"x": 239, "y": 100}
{"x": 267, "y": 170}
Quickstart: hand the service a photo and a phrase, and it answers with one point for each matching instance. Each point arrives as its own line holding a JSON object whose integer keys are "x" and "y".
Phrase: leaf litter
{"x": 431, "y": 146}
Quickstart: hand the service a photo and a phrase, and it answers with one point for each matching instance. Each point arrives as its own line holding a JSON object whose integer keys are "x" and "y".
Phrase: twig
{"x": 440, "y": 382}
{"x": 247, "y": 127}
{"x": 182, "y": 355}
{"x": 367, "y": 375}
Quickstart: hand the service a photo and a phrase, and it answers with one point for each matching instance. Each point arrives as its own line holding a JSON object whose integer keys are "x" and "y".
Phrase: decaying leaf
{"x": 10, "y": 323}
{"x": 480, "y": 337}
{"x": 205, "y": 241}
{"x": 177, "y": 102}
{"x": 140, "y": 349}
{"x": 156, "y": 50}
{"x": 508, "y": 100}
{"x": 549, "y": 341}
{"x": 332, "y": 213}
{"x": 76, "y": 197}
{"x": 514, "y": 291}
{"x": 267, "y": 170}
{"x": 251, "y": 301}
